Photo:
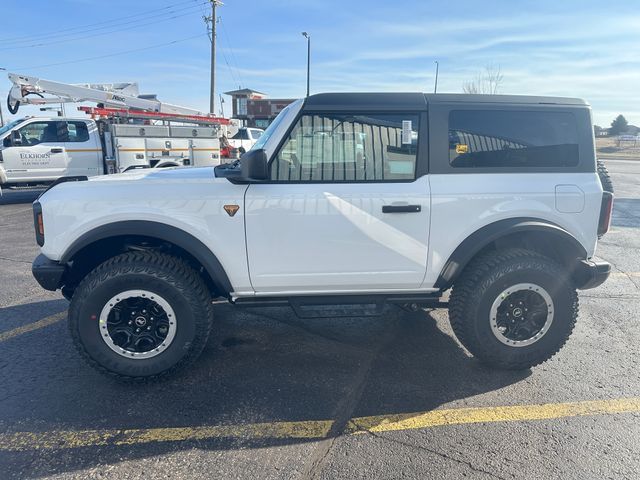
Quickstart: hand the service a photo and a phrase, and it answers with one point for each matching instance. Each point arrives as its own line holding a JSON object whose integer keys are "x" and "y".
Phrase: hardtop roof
{"x": 419, "y": 101}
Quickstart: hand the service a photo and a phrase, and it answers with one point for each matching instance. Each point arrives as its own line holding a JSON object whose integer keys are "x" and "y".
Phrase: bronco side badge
{"x": 231, "y": 209}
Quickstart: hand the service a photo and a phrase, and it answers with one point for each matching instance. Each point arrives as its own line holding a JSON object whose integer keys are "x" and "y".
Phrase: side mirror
{"x": 16, "y": 138}
{"x": 253, "y": 166}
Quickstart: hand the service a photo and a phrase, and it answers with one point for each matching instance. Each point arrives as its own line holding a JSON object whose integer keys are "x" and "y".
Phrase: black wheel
{"x": 513, "y": 309}
{"x": 605, "y": 179}
{"x": 141, "y": 315}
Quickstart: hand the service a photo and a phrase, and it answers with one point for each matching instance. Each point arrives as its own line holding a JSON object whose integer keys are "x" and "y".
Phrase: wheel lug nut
{"x": 137, "y": 330}
{"x": 148, "y": 328}
{"x": 130, "y": 322}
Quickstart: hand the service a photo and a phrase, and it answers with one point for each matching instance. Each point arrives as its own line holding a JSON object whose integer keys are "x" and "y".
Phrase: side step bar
{"x": 335, "y": 306}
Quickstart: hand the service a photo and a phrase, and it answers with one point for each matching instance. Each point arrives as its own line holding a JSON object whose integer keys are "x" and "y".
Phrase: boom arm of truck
{"x": 31, "y": 90}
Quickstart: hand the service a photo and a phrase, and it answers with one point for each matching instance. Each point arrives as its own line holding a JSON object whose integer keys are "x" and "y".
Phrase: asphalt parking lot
{"x": 274, "y": 396}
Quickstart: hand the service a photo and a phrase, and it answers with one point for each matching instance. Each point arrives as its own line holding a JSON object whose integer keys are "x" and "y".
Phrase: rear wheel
{"x": 513, "y": 309}
{"x": 141, "y": 315}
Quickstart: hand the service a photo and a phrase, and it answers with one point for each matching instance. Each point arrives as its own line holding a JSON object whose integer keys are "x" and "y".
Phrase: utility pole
{"x": 1, "y": 116}
{"x": 308, "y": 37}
{"x": 214, "y": 20}
{"x": 435, "y": 87}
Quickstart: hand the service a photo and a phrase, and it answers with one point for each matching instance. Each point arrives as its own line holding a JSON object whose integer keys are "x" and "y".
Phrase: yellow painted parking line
{"x": 516, "y": 413}
{"x": 312, "y": 429}
{"x": 45, "y": 322}
{"x": 19, "y": 441}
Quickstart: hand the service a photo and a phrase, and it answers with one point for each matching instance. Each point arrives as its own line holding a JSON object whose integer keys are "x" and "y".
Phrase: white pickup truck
{"x": 245, "y": 138}
{"x": 346, "y": 199}
{"x": 36, "y": 150}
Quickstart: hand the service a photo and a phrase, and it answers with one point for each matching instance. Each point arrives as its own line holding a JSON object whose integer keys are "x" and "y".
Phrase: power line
{"x": 83, "y": 27}
{"x": 235, "y": 80}
{"x": 86, "y": 29}
{"x": 233, "y": 55}
{"x": 234, "y": 77}
{"x": 98, "y": 34}
{"x": 106, "y": 56}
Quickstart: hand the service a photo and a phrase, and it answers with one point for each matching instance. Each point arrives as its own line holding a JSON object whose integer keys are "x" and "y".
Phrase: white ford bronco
{"x": 346, "y": 199}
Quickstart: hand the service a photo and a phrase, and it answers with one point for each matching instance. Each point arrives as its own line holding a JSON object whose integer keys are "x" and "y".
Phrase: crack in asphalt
{"x": 14, "y": 260}
{"x": 609, "y": 296}
{"x": 435, "y": 452}
{"x": 613, "y": 244}
{"x": 626, "y": 274}
{"x": 347, "y": 406}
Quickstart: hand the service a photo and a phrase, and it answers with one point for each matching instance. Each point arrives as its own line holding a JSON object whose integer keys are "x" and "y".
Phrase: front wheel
{"x": 513, "y": 309}
{"x": 141, "y": 315}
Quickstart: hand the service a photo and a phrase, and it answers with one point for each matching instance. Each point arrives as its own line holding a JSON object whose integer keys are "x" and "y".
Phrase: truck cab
{"x": 40, "y": 150}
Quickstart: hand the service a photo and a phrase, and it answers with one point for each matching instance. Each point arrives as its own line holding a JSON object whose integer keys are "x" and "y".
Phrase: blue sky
{"x": 588, "y": 49}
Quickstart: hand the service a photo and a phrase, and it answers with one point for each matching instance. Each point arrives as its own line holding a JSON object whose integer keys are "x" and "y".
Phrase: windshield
{"x": 10, "y": 126}
{"x": 274, "y": 126}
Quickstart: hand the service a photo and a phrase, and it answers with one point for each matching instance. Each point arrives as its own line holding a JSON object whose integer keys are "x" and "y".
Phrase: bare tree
{"x": 487, "y": 81}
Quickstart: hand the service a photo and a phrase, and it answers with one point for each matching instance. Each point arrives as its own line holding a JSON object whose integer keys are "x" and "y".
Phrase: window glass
{"x": 241, "y": 135}
{"x": 242, "y": 106}
{"x": 256, "y": 134}
{"x": 10, "y": 125}
{"x": 512, "y": 139}
{"x": 342, "y": 147}
{"x": 77, "y": 132}
{"x": 42, "y": 132}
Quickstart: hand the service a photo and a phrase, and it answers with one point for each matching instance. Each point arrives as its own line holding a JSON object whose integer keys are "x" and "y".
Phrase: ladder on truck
{"x": 113, "y": 99}
{"x": 135, "y": 130}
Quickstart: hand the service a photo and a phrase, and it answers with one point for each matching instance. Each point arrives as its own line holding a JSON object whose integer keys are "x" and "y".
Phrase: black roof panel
{"x": 366, "y": 101}
{"x": 418, "y": 101}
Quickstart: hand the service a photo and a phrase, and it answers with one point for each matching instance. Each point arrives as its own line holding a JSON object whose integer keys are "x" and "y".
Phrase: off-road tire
{"x": 481, "y": 283}
{"x": 605, "y": 179}
{"x": 169, "y": 277}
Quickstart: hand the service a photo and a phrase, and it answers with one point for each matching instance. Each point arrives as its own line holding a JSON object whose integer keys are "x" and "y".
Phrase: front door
{"x": 41, "y": 156}
{"x": 344, "y": 211}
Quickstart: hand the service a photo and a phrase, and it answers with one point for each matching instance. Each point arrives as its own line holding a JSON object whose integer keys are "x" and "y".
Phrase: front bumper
{"x": 47, "y": 272}
{"x": 591, "y": 274}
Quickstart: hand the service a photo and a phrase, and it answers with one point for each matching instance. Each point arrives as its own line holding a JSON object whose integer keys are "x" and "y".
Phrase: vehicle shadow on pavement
{"x": 14, "y": 197}
{"x": 25, "y": 314}
{"x": 261, "y": 365}
{"x": 626, "y": 212}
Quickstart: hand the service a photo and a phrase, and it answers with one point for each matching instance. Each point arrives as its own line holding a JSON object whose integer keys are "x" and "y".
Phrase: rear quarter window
{"x": 512, "y": 139}
{"x": 77, "y": 132}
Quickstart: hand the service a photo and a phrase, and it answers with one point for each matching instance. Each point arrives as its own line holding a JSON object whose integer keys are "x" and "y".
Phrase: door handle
{"x": 401, "y": 208}
{"x": 56, "y": 150}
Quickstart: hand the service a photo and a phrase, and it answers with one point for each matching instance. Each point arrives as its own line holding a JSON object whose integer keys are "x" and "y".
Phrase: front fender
{"x": 159, "y": 231}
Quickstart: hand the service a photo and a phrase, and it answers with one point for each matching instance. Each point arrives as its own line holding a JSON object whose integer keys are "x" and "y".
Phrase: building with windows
{"x": 253, "y": 109}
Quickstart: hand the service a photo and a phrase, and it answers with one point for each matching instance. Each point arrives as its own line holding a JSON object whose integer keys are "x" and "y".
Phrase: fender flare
{"x": 167, "y": 164}
{"x": 159, "y": 231}
{"x": 479, "y": 239}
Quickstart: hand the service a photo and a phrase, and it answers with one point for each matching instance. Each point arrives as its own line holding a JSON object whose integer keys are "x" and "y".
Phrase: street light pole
{"x": 308, "y": 37}
{"x": 435, "y": 87}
